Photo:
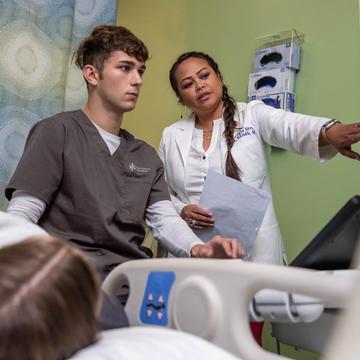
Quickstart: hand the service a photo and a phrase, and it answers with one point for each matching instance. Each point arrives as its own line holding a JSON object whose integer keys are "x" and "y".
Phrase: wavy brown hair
{"x": 231, "y": 168}
{"x": 103, "y": 41}
{"x": 49, "y": 298}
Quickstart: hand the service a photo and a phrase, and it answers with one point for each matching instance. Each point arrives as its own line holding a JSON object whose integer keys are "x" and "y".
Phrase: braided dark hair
{"x": 231, "y": 168}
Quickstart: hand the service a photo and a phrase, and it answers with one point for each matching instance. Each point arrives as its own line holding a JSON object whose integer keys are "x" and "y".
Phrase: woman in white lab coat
{"x": 231, "y": 138}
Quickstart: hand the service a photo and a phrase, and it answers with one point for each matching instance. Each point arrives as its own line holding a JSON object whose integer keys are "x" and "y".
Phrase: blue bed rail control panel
{"x": 154, "y": 308}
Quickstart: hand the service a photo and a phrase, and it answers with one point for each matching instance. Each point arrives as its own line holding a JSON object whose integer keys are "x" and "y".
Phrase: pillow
{"x": 14, "y": 229}
{"x": 151, "y": 342}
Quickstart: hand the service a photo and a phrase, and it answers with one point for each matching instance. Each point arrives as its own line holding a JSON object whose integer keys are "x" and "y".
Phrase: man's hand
{"x": 220, "y": 248}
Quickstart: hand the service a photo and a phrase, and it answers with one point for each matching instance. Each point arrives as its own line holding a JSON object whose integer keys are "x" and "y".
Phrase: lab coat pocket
{"x": 268, "y": 246}
{"x": 256, "y": 182}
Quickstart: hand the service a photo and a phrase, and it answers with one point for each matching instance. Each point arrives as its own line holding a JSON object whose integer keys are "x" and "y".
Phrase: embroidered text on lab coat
{"x": 245, "y": 131}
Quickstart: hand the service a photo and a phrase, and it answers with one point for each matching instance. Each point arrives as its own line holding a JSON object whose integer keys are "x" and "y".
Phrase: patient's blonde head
{"x": 49, "y": 297}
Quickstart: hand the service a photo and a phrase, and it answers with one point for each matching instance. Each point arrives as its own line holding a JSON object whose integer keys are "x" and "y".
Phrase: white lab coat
{"x": 259, "y": 125}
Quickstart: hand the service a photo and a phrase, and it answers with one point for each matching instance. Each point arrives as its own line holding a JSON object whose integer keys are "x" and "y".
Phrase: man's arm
{"x": 174, "y": 233}
{"x": 26, "y": 206}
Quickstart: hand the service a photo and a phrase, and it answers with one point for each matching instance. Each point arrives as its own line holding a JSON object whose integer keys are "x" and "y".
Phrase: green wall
{"x": 306, "y": 193}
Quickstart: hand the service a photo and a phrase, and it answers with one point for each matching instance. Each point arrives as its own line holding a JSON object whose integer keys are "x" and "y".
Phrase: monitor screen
{"x": 334, "y": 246}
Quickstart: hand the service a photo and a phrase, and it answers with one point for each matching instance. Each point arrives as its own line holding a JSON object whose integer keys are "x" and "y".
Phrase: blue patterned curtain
{"x": 37, "y": 79}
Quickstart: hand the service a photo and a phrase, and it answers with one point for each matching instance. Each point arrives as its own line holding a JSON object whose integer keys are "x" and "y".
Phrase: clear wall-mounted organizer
{"x": 282, "y": 37}
{"x": 276, "y": 62}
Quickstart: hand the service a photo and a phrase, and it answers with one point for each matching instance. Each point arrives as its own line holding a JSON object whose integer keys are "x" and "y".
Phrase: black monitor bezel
{"x": 336, "y": 225}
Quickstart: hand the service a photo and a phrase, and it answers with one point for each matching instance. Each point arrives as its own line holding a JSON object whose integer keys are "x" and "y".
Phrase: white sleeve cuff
{"x": 178, "y": 204}
{"x": 170, "y": 229}
{"x": 26, "y": 206}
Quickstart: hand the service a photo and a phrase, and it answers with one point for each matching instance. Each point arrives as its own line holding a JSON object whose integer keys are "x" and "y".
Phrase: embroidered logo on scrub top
{"x": 245, "y": 131}
{"x": 133, "y": 167}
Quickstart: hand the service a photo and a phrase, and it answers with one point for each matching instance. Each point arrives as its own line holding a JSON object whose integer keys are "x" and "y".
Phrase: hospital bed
{"x": 215, "y": 299}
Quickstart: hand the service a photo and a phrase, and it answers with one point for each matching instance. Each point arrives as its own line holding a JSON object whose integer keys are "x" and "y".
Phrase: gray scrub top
{"x": 94, "y": 199}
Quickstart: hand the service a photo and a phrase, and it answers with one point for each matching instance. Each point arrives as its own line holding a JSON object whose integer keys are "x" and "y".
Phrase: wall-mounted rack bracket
{"x": 281, "y": 37}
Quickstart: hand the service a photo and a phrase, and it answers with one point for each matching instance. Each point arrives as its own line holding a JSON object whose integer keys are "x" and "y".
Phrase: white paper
{"x": 238, "y": 209}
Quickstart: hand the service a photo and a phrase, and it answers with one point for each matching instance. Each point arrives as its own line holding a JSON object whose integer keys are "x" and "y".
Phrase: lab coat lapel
{"x": 223, "y": 146}
{"x": 183, "y": 138}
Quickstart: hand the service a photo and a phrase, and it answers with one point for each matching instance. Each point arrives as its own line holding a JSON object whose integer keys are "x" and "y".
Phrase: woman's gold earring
{"x": 182, "y": 110}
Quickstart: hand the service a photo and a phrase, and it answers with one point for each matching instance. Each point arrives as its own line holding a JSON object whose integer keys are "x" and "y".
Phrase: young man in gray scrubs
{"x": 86, "y": 180}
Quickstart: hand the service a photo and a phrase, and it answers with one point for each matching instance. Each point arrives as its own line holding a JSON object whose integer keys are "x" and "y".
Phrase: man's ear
{"x": 91, "y": 74}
